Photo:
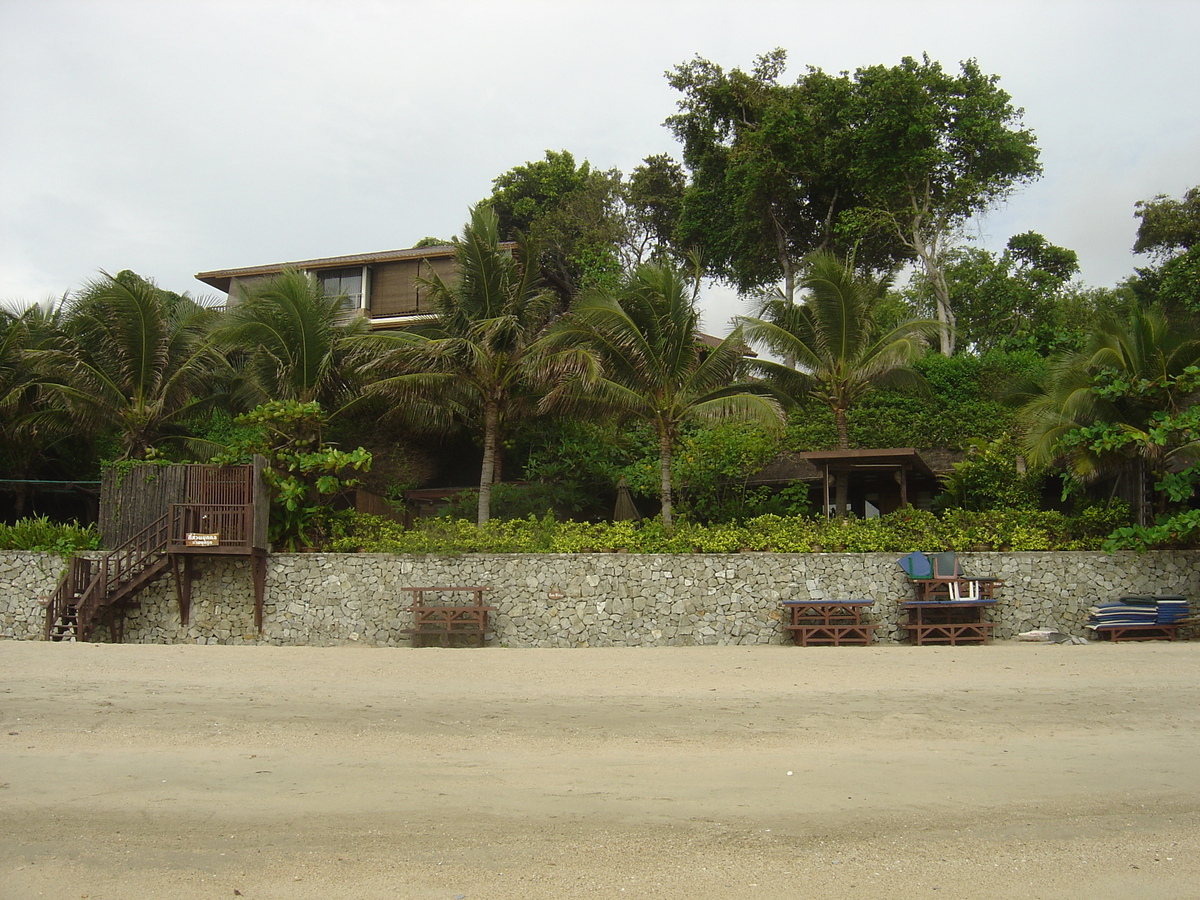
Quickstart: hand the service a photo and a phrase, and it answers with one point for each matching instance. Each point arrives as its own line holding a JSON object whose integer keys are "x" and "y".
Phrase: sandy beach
{"x": 1012, "y": 770}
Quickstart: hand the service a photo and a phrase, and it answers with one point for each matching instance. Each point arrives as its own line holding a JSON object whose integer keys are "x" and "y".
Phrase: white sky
{"x": 176, "y": 136}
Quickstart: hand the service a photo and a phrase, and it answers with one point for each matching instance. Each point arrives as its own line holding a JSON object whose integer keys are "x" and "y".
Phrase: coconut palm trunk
{"x": 487, "y": 472}
{"x": 664, "y": 466}
{"x": 841, "y": 496}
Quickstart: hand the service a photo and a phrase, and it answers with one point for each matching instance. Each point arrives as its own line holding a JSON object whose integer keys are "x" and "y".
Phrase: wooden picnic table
{"x": 948, "y": 621}
{"x": 447, "y": 620}
{"x": 828, "y": 622}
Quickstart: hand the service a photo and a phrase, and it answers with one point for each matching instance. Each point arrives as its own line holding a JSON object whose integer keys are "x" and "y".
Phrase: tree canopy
{"x": 889, "y": 162}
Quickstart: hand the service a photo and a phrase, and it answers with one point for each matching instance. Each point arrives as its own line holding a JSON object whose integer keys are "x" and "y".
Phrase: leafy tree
{"x": 1170, "y": 231}
{"x": 769, "y": 166}
{"x": 488, "y": 361}
{"x": 304, "y": 473}
{"x": 134, "y": 359}
{"x": 295, "y": 342}
{"x": 654, "y": 203}
{"x": 992, "y": 477}
{"x": 1168, "y": 226}
{"x": 1014, "y": 299}
{"x": 653, "y": 366}
{"x": 930, "y": 150}
{"x": 571, "y": 213}
{"x": 839, "y": 353}
{"x": 891, "y": 161}
{"x": 1170, "y": 440}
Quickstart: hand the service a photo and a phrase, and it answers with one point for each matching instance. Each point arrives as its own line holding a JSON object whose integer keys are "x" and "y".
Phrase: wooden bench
{"x": 1146, "y": 632}
{"x": 951, "y": 622}
{"x": 463, "y": 620}
{"x": 828, "y": 623}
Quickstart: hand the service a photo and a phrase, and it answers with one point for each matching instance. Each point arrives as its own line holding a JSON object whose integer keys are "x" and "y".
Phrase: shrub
{"x": 42, "y": 535}
{"x": 898, "y": 532}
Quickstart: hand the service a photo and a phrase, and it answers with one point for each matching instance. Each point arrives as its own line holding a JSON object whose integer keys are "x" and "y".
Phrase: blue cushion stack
{"x": 1138, "y": 609}
{"x": 1131, "y": 610}
{"x": 1171, "y": 608}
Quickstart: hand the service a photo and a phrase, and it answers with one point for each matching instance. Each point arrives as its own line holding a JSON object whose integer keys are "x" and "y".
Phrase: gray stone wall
{"x": 26, "y": 582}
{"x": 590, "y": 600}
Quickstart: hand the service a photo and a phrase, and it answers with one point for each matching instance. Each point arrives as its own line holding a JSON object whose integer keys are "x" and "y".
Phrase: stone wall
{"x": 607, "y": 599}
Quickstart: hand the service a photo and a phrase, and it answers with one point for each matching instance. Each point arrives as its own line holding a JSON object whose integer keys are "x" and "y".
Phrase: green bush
{"x": 899, "y": 532}
{"x": 42, "y": 535}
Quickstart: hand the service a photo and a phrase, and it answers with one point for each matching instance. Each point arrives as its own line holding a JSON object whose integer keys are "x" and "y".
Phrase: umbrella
{"x": 625, "y": 510}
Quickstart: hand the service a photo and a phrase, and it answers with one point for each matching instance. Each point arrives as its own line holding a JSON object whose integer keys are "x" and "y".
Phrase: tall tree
{"x": 769, "y": 169}
{"x": 30, "y": 425}
{"x": 1170, "y": 232}
{"x": 1015, "y": 299}
{"x": 839, "y": 351}
{"x": 134, "y": 359}
{"x": 572, "y": 213}
{"x": 890, "y": 161}
{"x": 928, "y": 151}
{"x": 653, "y": 365}
{"x": 488, "y": 360}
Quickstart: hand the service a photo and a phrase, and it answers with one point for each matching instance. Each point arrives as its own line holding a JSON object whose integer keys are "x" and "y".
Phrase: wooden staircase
{"x": 93, "y": 589}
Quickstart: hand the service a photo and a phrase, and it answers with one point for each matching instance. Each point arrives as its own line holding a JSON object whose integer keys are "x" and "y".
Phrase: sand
{"x": 1013, "y": 770}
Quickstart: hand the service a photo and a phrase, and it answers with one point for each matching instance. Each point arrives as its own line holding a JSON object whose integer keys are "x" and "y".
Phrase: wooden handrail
{"x": 116, "y": 569}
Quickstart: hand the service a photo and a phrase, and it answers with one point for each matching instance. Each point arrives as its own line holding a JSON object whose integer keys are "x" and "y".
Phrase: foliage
{"x": 304, "y": 474}
{"x": 580, "y": 460}
{"x": 32, "y": 427}
{"x": 1168, "y": 226}
{"x": 294, "y": 342}
{"x": 41, "y": 535}
{"x": 899, "y": 532}
{"x": 1170, "y": 435}
{"x": 929, "y": 151}
{"x": 769, "y": 166}
{"x": 991, "y": 478}
{"x": 836, "y": 352}
{"x": 890, "y": 160}
{"x": 1014, "y": 299}
{"x": 489, "y": 361}
{"x": 653, "y": 367}
{"x": 1098, "y": 407}
{"x": 135, "y": 360}
{"x": 571, "y": 213}
{"x": 713, "y": 465}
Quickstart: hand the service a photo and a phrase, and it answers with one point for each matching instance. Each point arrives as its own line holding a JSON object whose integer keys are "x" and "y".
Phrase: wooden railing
{"x": 60, "y": 608}
{"x": 231, "y": 521}
{"x": 91, "y": 586}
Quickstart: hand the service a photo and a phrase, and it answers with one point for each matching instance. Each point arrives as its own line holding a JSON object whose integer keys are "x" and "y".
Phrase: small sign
{"x": 194, "y": 539}
{"x": 555, "y": 595}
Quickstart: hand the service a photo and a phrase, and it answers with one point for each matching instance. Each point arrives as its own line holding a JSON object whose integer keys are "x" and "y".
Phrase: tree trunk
{"x": 841, "y": 495}
{"x": 491, "y": 428}
{"x": 664, "y": 456}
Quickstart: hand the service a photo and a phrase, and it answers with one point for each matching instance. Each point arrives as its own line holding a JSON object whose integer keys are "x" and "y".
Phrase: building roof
{"x": 221, "y": 279}
{"x": 788, "y": 467}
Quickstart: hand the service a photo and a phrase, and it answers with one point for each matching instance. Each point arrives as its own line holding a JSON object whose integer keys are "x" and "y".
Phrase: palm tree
{"x": 837, "y": 350}
{"x": 653, "y": 365}
{"x": 488, "y": 360}
{"x": 296, "y": 342}
{"x": 1147, "y": 353}
{"x": 136, "y": 359}
{"x": 29, "y": 424}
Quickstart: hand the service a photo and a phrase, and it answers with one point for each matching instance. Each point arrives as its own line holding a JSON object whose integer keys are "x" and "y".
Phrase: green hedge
{"x": 40, "y": 534}
{"x": 900, "y": 532}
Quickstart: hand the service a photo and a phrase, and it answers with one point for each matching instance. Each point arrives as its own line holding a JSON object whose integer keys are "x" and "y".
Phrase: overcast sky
{"x": 176, "y": 136}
